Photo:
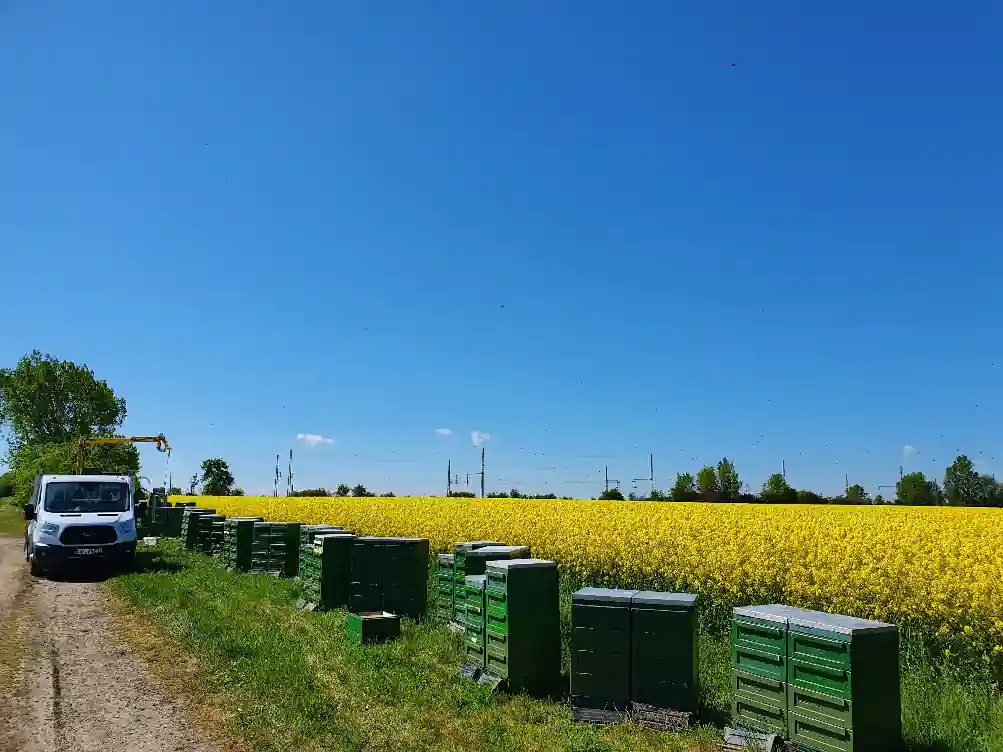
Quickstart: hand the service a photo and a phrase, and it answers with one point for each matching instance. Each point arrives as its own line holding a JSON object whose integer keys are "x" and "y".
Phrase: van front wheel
{"x": 35, "y": 566}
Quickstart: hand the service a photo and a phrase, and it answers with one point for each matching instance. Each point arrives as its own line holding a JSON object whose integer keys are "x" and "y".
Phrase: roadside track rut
{"x": 67, "y": 683}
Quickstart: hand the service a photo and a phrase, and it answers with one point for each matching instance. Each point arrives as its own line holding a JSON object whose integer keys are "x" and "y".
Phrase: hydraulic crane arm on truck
{"x": 160, "y": 440}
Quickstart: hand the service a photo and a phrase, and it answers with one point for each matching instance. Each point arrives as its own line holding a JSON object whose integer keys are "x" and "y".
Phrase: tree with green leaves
{"x": 707, "y": 484}
{"x": 808, "y": 497}
{"x": 360, "y": 490}
{"x": 684, "y": 489}
{"x": 44, "y": 400}
{"x": 962, "y": 484}
{"x": 729, "y": 484}
{"x": 6, "y": 484}
{"x": 915, "y": 489}
{"x": 237, "y": 492}
{"x": 311, "y": 492}
{"x": 342, "y": 490}
{"x": 776, "y": 490}
{"x": 611, "y": 494}
{"x": 856, "y": 494}
{"x": 217, "y": 480}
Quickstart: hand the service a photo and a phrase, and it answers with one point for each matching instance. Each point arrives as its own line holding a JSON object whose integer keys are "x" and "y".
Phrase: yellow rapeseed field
{"x": 934, "y": 570}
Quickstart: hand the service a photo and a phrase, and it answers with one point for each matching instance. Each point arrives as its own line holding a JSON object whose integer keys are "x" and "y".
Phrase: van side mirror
{"x": 28, "y": 513}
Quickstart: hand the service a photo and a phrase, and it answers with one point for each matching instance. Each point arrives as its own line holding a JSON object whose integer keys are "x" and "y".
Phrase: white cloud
{"x": 444, "y": 431}
{"x": 313, "y": 439}
{"x": 909, "y": 451}
{"x": 479, "y": 438}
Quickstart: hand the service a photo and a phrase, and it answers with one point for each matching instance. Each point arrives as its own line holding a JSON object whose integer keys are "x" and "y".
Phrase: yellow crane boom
{"x": 160, "y": 440}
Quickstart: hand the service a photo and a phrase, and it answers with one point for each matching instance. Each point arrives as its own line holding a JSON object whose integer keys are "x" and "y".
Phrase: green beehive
{"x": 444, "y": 589}
{"x": 600, "y": 652}
{"x": 373, "y": 627}
{"x": 210, "y": 533}
{"x": 664, "y": 671}
{"x": 460, "y": 551}
{"x": 474, "y": 623}
{"x": 274, "y": 548}
{"x": 189, "y": 531}
{"x": 842, "y": 683}
{"x": 325, "y": 569}
{"x": 238, "y": 533}
{"x": 523, "y": 624}
{"x": 389, "y": 574}
{"x": 405, "y": 576}
{"x": 759, "y": 668}
{"x": 307, "y": 533}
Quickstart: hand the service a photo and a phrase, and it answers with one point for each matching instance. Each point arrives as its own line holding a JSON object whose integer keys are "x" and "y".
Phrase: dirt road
{"x": 66, "y": 683}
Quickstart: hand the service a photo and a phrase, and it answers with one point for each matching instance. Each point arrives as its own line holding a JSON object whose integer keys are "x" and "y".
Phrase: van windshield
{"x": 86, "y": 496}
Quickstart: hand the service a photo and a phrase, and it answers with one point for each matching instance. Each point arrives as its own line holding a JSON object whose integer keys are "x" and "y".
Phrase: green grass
{"x": 10, "y": 519}
{"x": 271, "y": 677}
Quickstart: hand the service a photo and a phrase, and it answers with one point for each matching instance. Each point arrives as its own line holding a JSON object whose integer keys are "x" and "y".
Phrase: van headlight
{"x": 126, "y": 527}
{"x": 48, "y": 528}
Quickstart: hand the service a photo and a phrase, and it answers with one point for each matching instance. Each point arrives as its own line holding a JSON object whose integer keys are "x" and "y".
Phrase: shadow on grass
{"x": 100, "y": 571}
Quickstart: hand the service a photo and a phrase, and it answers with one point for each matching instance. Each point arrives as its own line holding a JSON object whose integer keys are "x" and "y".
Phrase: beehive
{"x": 389, "y": 574}
{"x": 189, "y": 530}
{"x": 474, "y": 623}
{"x": 238, "y": 535}
{"x": 444, "y": 588}
{"x": 307, "y": 533}
{"x": 325, "y": 570}
{"x": 210, "y": 533}
{"x": 373, "y": 627}
{"x": 274, "y": 548}
{"x": 523, "y": 624}
{"x": 829, "y": 682}
{"x": 600, "y": 650}
{"x": 460, "y": 551}
{"x": 664, "y": 658}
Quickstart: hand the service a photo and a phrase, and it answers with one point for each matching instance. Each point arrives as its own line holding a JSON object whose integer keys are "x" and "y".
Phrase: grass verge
{"x": 270, "y": 677}
{"x": 10, "y": 520}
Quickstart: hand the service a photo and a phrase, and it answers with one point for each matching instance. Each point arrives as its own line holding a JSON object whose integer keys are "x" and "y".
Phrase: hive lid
{"x": 446, "y": 557}
{"x": 521, "y": 563}
{"x": 332, "y": 535}
{"x": 244, "y": 519}
{"x": 658, "y": 598}
{"x": 772, "y": 612}
{"x": 839, "y": 623}
{"x": 490, "y": 550}
{"x": 471, "y": 545}
{"x": 476, "y": 580}
{"x": 603, "y": 595}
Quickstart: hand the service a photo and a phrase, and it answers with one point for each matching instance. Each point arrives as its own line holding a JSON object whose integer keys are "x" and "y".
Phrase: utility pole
{"x": 482, "y": 472}
{"x": 783, "y": 468}
{"x": 289, "y": 475}
{"x": 449, "y": 478}
{"x": 275, "y": 486}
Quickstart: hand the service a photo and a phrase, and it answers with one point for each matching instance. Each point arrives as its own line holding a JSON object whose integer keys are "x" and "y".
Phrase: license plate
{"x": 87, "y": 551}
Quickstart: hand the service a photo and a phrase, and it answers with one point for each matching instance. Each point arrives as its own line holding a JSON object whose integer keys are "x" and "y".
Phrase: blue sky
{"x": 573, "y": 227}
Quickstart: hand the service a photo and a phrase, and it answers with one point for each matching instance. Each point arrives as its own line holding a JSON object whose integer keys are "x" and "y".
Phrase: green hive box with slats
{"x": 275, "y": 548}
{"x": 460, "y": 551}
{"x": 600, "y": 649}
{"x": 829, "y": 683}
{"x": 444, "y": 588}
{"x": 664, "y": 655}
{"x": 325, "y": 570}
{"x": 474, "y": 623}
{"x": 389, "y": 574}
{"x": 475, "y": 562}
{"x": 189, "y": 532}
{"x": 307, "y": 532}
{"x": 523, "y": 624}
{"x": 210, "y": 533}
{"x": 169, "y": 520}
{"x": 238, "y": 533}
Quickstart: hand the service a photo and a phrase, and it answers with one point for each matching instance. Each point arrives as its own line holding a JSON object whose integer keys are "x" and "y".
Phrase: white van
{"x": 74, "y": 518}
